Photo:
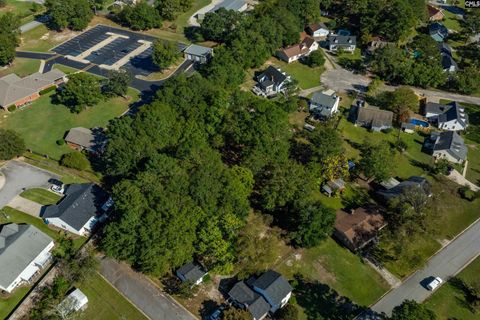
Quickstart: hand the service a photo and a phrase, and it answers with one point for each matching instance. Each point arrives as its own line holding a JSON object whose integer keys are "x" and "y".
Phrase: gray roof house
{"x": 448, "y": 63}
{"x": 447, "y": 145}
{"x": 346, "y": 43}
{"x": 92, "y": 140}
{"x": 236, "y": 5}
{"x": 24, "y": 250}
{"x": 397, "y": 190}
{"x": 450, "y": 116}
{"x": 80, "y": 209}
{"x": 192, "y": 273}
{"x": 246, "y": 298}
{"x": 274, "y": 288}
{"x": 373, "y": 118}
{"x": 271, "y": 82}
{"x": 19, "y": 91}
{"x": 323, "y": 105}
{"x": 198, "y": 53}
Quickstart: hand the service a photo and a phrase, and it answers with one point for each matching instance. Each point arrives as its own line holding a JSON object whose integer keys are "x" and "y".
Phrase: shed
{"x": 191, "y": 272}
{"x": 75, "y": 301}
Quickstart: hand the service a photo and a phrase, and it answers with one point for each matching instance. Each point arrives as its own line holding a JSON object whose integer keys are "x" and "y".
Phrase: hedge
{"x": 47, "y": 90}
{"x": 12, "y": 108}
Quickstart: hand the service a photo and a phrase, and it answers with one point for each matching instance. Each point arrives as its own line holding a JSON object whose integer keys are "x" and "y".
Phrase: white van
{"x": 434, "y": 284}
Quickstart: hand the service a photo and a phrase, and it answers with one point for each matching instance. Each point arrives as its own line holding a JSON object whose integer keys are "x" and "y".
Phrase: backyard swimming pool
{"x": 419, "y": 122}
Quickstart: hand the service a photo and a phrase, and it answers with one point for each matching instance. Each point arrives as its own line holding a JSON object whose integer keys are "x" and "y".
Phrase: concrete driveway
{"x": 142, "y": 293}
{"x": 445, "y": 264}
{"x": 20, "y": 176}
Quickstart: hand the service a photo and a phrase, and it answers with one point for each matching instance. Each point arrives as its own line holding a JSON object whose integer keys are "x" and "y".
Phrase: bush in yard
{"x": 75, "y": 160}
{"x": 315, "y": 59}
{"x": 233, "y": 313}
{"x": 402, "y": 145}
{"x": 442, "y": 166}
{"x": 412, "y": 310}
{"x": 60, "y": 142}
{"x": 12, "y": 108}
{"x": 467, "y": 193}
{"x": 12, "y": 144}
{"x": 289, "y": 312}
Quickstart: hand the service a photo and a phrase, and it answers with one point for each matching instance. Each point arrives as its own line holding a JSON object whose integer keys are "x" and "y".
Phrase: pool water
{"x": 419, "y": 122}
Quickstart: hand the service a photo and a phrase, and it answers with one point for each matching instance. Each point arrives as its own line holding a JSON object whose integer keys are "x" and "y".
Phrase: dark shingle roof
{"x": 274, "y": 285}
{"x": 447, "y": 61}
{"x": 81, "y": 202}
{"x": 342, "y": 40}
{"x": 448, "y": 112}
{"x": 254, "y": 302}
{"x": 398, "y": 190}
{"x": 375, "y": 116}
{"x": 451, "y": 142}
{"x": 192, "y": 272}
{"x": 272, "y": 74}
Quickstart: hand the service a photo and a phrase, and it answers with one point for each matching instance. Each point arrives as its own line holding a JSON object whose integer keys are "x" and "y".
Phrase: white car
{"x": 434, "y": 284}
{"x": 57, "y": 188}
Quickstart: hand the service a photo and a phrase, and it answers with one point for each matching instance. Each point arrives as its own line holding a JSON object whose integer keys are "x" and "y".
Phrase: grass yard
{"x": 8, "y": 303}
{"x": 42, "y": 196}
{"x": 65, "y": 69}
{"x": 40, "y": 39}
{"x": 449, "y": 302}
{"x": 307, "y": 77}
{"x": 343, "y": 271}
{"x": 22, "y": 67}
{"x": 451, "y": 21}
{"x": 41, "y": 124}
{"x": 106, "y": 303}
{"x": 18, "y": 7}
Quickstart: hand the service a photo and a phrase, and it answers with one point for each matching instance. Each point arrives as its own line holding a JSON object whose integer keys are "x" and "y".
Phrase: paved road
{"x": 19, "y": 175}
{"x": 340, "y": 79}
{"x": 445, "y": 264}
{"x": 142, "y": 293}
{"x": 33, "y": 24}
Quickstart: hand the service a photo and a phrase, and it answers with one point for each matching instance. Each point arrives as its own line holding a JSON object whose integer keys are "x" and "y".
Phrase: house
{"x": 79, "y": 210}
{"x": 198, "y": 53}
{"x": 419, "y": 183}
{"x": 271, "y": 82}
{"x": 91, "y": 140}
{"x": 317, "y": 30}
{"x": 438, "y": 31}
{"x": 373, "y": 118}
{"x": 16, "y": 91}
{"x": 192, "y": 273}
{"x": 235, "y": 5}
{"x": 345, "y": 43}
{"x": 323, "y": 105}
{"x": 298, "y": 51}
{"x": 434, "y": 13}
{"x": 447, "y": 145}
{"x": 449, "y": 116}
{"x": 333, "y": 186}
{"x": 448, "y": 63}
{"x": 75, "y": 301}
{"x": 244, "y": 297}
{"x": 24, "y": 251}
{"x": 358, "y": 227}
{"x": 274, "y": 288}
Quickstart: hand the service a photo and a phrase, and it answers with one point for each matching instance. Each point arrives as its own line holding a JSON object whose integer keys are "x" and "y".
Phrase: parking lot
{"x": 112, "y": 49}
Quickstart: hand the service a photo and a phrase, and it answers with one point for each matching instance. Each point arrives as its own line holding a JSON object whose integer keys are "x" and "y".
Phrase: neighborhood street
{"x": 445, "y": 264}
{"x": 142, "y": 293}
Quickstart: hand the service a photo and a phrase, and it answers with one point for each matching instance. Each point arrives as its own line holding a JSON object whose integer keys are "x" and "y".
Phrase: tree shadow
{"x": 208, "y": 306}
{"x": 319, "y": 301}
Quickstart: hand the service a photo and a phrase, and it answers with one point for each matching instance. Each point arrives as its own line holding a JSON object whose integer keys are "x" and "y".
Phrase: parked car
{"x": 217, "y": 313}
{"x": 57, "y": 187}
{"x": 434, "y": 284}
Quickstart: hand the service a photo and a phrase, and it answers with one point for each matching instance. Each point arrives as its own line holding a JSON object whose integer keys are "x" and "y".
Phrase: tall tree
{"x": 140, "y": 16}
{"x": 82, "y": 90}
{"x": 9, "y": 37}
{"x": 377, "y": 160}
{"x": 314, "y": 223}
{"x": 116, "y": 84}
{"x": 12, "y": 144}
{"x": 74, "y": 14}
{"x": 170, "y": 9}
{"x": 165, "y": 53}
{"x": 411, "y": 310}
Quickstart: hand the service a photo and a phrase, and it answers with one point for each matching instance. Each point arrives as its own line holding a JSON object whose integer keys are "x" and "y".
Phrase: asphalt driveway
{"x": 445, "y": 264}
{"x": 20, "y": 176}
{"x": 142, "y": 293}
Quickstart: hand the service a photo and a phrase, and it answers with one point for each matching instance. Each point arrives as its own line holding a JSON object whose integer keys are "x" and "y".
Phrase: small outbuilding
{"x": 191, "y": 272}
{"x": 74, "y": 302}
{"x": 198, "y": 53}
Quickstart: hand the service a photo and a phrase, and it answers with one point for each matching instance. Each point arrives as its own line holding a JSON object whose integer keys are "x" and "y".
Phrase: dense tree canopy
{"x": 82, "y": 90}
{"x": 12, "y": 144}
{"x": 116, "y": 84}
{"x": 165, "y": 53}
{"x": 9, "y": 37}
{"x": 140, "y": 16}
{"x": 377, "y": 160}
{"x": 315, "y": 223}
{"x": 411, "y": 310}
{"x": 170, "y": 9}
{"x": 74, "y": 14}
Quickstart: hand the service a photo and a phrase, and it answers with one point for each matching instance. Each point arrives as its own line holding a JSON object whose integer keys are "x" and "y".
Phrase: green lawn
{"x": 451, "y": 21}
{"x": 8, "y": 303}
{"x": 449, "y": 301}
{"x": 65, "y": 69}
{"x": 41, "y": 124}
{"x": 18, "y": 7}
{"x": 307, "y": 77}
{"x": 106, "y": 303}
{"x": 22, "y": 67}
{"x": 331, "y": 264}
{"x": 40, "y": 39}
{"x": 41, "y": 196}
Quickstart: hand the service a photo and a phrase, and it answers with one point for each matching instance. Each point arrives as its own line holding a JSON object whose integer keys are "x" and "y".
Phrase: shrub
{"x": 315, "y": 59}
{"x": 467, "y": 194}
{"x": 387, "y": 130}
{"x": 402, "y": 145}
{"x": 12, "y": 108}
{"x": 75, "y": 160}
{"x": 60, "y": 142}
{"x": 47, "y": 90}
{"x": 12, "y": 144}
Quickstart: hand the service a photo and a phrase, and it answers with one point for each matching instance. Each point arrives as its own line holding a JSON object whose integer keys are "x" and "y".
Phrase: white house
{"x": 295, "y": 52}
{"x": 270, "y": 82}
{"x": 24, "y": 251}
{"x": 324, "y": 104}
{"x": 345, "y": 43}
{"x": 451, "y": 117}
{"x": 80, "y": 209}
{"x": 447, "y": 145}
{"x": 192, "y": 273}
{"x": 317, "y": 30}
{"x": 274, "y": 288}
